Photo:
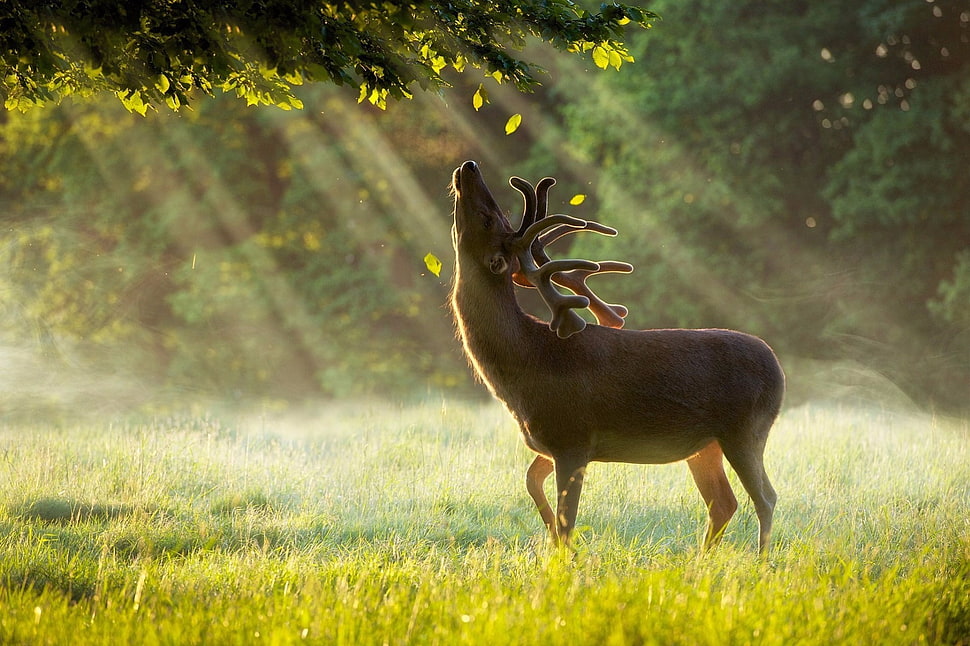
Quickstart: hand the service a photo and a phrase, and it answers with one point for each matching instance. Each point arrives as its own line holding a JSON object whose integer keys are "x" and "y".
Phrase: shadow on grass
{"x": 79, "y": 534}
{"x": 63, "y": 511}
{"x": 676, "y": 528}
{"x": 459, "y": 526}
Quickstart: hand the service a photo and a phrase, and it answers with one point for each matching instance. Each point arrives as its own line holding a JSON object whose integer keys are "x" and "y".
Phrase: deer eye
{"x": 486, "y": 223}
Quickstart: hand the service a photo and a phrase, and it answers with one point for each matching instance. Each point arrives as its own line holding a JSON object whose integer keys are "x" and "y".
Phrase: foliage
{"x": 158, "y": 52}
{"x": 373, "y": 525}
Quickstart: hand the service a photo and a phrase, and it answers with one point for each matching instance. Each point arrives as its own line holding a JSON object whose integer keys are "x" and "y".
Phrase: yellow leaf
{"x": 577, "y": 199}
{"x": 513, "y": 123}
{"x": 615, "y": 59}
{"x": 433, "y": 264}
{"x": 480, "y": 98}
{"x": 601, "y": 57}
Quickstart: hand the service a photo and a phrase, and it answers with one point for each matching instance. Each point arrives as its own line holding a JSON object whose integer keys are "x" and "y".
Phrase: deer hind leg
{"x": 570, "y": 472}
{"x": 707, "y": 467}
{"x": 748, "y": 463}
{"x": 540, "y": 469}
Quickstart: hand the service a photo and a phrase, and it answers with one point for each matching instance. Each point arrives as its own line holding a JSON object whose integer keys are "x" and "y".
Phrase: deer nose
{"x": 468, "y": 168}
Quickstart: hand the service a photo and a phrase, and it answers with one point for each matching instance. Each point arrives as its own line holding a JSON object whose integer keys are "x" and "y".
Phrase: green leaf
{"x": 433, "y": 264}
{"x": 513, "y": 123}
{"x": 132, "y": 100}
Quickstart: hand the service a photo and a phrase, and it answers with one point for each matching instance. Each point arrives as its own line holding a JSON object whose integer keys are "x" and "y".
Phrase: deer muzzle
{"x": 474, "y": 205}
{"x": 465, "y": 178}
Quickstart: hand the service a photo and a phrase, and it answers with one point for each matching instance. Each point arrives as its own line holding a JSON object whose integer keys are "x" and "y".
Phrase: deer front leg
{"x": 707, "y": 467}
{"x": 570, "y": 472}
{"x": 539, "y": 470}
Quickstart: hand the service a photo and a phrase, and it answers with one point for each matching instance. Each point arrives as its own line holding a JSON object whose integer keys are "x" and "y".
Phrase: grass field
{"x": 380, "y": 524}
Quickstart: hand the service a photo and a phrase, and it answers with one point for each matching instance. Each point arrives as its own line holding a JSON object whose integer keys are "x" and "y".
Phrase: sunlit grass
{"x": 380, "y": 524}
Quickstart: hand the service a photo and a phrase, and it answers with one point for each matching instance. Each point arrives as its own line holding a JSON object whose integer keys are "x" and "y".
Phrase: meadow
{"x": 384, "y": 524}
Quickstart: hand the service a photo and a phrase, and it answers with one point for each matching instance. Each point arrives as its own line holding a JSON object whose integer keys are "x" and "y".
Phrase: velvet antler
{"x": 537, "y": 270}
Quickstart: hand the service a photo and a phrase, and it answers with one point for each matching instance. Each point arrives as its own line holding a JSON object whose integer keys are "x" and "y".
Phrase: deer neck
{"x": 496, "y": 334}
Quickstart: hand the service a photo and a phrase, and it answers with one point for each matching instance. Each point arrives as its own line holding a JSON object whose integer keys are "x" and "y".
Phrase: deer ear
{"x": 498, "y": 264}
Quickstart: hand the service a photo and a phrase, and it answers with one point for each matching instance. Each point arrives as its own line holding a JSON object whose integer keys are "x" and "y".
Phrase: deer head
{"x": 482, "y": 230}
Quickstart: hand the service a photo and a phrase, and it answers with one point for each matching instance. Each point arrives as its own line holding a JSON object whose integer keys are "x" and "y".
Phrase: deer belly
{"x": 649, "y": 449}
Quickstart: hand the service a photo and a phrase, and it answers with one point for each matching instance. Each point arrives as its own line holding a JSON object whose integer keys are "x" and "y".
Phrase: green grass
{"x": 380, "y": 524}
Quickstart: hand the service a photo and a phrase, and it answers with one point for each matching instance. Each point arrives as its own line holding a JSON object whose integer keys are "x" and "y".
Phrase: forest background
{"x": 797, "y": 170}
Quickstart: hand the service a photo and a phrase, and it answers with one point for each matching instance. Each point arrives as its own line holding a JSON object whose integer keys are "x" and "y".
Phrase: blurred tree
{"x": 799, "y": 169}
{"x": 227, "y": 251}
{"x": 156, "y": 52}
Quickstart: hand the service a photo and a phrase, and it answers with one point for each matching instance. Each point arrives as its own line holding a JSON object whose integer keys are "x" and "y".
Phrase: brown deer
{"x": 598, "y": 393}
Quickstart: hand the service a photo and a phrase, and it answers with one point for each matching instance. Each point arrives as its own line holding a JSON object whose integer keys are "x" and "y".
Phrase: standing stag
{"x": 599, "y": 393}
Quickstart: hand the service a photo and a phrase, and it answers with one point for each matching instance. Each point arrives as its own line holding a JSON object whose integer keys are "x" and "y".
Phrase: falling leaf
{"x": 577, "y": 199}
{"x": 513, "y": 123}
{"x": 433, "y": 264}
{"x": 480, "y": 98}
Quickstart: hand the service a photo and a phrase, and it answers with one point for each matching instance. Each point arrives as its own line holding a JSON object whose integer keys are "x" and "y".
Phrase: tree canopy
{"x": 157, "y": 52}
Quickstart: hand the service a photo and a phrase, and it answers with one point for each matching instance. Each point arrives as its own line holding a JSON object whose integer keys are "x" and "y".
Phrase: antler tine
{"x": 542, "y": 195}
{"x": 565, "y": 321}
{"x": 542, "y": 201}
{"x": 608, "y": 314}
{"x": 529, "y": 197}
{"x": 555, "y": 233}
{"x": 553, "y": 221}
